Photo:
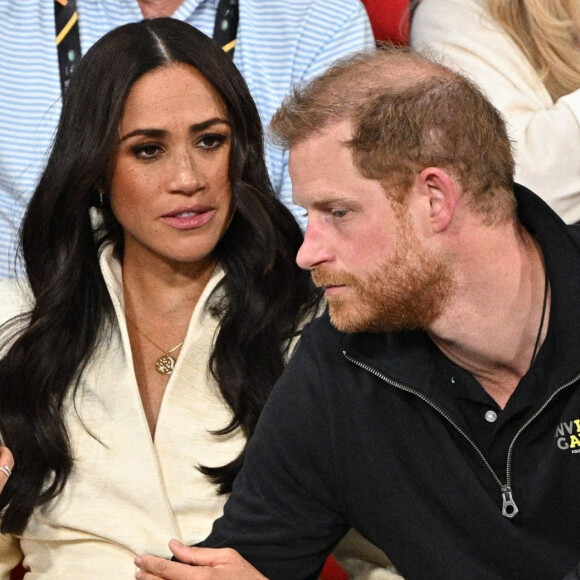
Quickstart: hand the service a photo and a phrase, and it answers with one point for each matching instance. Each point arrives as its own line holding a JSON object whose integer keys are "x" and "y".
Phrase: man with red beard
{"x": 436, "y": 409}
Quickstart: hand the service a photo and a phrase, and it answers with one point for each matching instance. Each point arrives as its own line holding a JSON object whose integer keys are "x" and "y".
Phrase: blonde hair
{"x": 547, "y": 31}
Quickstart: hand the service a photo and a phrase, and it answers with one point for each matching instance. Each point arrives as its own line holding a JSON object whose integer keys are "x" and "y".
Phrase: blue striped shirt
{"x": 280, "y": 43}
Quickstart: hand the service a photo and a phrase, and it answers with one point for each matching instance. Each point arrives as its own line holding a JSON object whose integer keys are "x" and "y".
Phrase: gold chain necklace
{"x": 165, "y": 363}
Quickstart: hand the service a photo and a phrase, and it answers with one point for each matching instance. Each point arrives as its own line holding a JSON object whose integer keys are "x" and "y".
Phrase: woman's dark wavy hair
{"x": 266, "y": 294}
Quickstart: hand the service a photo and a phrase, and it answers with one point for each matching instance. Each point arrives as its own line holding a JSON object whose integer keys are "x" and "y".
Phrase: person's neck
{"x": 498, "y": 316}
{"x": 165, "y": 295}
{"x": 158, "y": 8}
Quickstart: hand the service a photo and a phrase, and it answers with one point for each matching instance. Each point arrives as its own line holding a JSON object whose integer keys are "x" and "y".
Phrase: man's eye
{"x": 338, "y": 213}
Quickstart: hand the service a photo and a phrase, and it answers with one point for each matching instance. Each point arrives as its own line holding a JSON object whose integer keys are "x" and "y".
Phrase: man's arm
{"x": 284, "y": 514}
{"x": 198, "y": 564}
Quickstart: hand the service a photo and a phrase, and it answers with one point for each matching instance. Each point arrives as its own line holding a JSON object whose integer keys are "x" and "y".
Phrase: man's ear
{"x": 441, "y": 192}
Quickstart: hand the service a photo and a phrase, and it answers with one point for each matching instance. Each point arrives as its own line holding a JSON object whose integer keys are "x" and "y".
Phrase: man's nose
{"x": 314, "y": 249}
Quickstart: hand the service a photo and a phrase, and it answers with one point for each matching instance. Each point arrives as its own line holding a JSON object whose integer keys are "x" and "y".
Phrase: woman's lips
{"x": 188, "y": 219}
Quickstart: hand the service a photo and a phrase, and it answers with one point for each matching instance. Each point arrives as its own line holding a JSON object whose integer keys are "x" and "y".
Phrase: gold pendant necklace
{"x": 165, "y": 363}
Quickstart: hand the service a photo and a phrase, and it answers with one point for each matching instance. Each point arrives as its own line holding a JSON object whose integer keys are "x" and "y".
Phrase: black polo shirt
{"x": 492, "y": 428}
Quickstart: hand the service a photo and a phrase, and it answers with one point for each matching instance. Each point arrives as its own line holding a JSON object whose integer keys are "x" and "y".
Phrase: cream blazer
{"x": 128, "y": 493}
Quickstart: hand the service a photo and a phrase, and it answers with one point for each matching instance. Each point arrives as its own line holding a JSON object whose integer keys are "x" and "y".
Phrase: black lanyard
{"x": 68, "y": 42}
{"x": 226, "y": 25}
{"x": 66, "y": 23}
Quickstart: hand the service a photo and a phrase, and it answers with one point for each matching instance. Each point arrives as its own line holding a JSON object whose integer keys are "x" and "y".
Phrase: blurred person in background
{"x": 525, "y": 55}
{"x": 275, "y": 45}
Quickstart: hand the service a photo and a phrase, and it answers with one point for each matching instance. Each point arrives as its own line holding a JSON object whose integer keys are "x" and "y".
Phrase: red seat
{"x": 389, "y": 19}
{"x": 332, "y": 571}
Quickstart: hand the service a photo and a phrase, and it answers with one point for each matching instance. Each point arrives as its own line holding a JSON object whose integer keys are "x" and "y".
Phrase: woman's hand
{"x": 6, "y": 466}
{"x": 198, "y": 564}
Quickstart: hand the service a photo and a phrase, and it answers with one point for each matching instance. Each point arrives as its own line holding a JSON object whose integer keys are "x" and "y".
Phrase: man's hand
{"x": 198, "y": 564}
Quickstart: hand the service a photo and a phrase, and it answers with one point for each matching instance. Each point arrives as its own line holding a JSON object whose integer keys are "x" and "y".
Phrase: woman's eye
{"x": 212, "y": 141}
{"x": 147, "y": 151}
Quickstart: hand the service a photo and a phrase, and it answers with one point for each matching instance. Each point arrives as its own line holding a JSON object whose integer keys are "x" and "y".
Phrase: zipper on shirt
{"x": 509, "y": 506}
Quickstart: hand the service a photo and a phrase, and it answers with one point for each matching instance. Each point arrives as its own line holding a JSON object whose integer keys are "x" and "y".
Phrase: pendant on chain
{"x": 165, "y": 364}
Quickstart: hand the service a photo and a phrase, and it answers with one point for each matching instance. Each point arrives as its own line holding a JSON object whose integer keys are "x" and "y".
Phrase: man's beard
{"x": 405, "y": 292}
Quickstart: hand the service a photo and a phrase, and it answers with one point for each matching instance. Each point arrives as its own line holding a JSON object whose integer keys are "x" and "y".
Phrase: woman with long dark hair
{"x": 161, "y": 303}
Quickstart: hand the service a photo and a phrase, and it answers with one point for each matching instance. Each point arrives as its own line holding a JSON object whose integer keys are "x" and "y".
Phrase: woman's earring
{"x": 100, "y": 198}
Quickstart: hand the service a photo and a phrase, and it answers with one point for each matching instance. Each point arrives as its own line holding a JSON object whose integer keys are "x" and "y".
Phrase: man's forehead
{"x": 316, "y": 157}
{"x": 337, "y": 133}
{"x": 324, "y": 174}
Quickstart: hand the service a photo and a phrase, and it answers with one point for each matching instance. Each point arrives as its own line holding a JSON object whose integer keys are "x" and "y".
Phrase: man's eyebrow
{"x": 195, "y": 128}
{"x": 331, "y": 202}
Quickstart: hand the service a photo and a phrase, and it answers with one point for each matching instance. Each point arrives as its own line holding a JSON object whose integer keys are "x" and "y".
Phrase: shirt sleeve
{"x": 283, "y": 515}
{"x": 546, "y": 134}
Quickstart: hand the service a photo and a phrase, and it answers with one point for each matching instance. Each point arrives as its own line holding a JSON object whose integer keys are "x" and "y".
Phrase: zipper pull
{"x": 509, "y": 508}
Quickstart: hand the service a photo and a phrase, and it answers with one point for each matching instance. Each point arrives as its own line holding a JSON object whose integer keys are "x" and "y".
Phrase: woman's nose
{"x": 187, "y": 177}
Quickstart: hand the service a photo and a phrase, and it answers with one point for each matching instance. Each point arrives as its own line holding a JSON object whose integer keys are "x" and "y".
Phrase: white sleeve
{"x": 546, "y": 135}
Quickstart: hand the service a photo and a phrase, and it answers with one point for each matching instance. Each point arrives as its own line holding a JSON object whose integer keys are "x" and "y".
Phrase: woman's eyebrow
{"x": 195, "y": 128}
